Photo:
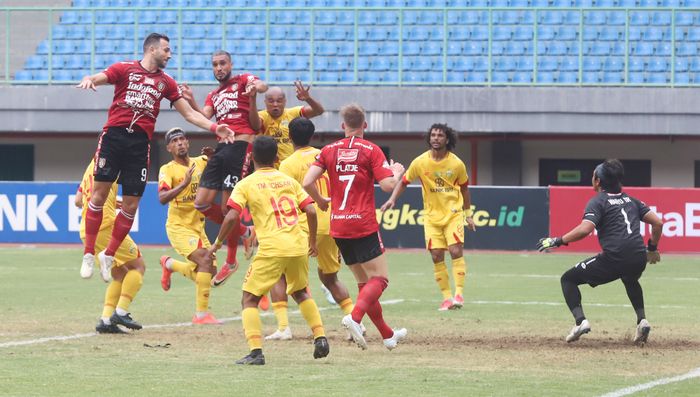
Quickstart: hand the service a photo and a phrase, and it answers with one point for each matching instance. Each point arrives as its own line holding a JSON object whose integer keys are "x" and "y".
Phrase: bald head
{"x": 275, "y": 101}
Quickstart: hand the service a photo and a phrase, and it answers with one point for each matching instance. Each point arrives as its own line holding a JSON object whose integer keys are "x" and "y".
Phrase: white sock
{"x": 121, "y": 311}
{"x": 247, "y": 232}
{"x": 200, "y": 315}
{"x": 169, "y": 263}
{"x": 106, "y": 321}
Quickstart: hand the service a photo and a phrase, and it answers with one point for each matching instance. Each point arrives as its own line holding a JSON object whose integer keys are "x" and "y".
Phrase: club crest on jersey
{"x": 347, "y": 155}
{"x": 161, "y": 86}
{"x": 101, "y": 162}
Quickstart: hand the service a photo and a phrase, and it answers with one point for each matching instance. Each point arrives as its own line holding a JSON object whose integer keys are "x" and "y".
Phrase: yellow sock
{"x": 252, "y": 327}
{"x": 111, "y": 297}
{"x": 202, "y": 288}
{"x": 312, "y": 316}
{"x": 443, "y": 279}
{"x": 459, "y": 271}
{"x": 346, "y": 305}
{"x": 280, "y": 310}
{"x": 184, "y": 268}
{"x": 130, "y": 287}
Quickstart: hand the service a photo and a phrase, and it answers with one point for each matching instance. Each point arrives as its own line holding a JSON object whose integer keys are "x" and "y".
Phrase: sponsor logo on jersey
{"x": 149, "y": 81}
{"x": 347, "y": 155}
{"x": 133, "y": 77}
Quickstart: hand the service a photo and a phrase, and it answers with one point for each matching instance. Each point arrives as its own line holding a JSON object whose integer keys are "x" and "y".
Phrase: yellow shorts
{"x": 328, "y": 254}
{"x": 127, "y": 252}
{"x": 441, "y": 237}
{"x": 185, "y": 241}
{"x": 264, "y": 272}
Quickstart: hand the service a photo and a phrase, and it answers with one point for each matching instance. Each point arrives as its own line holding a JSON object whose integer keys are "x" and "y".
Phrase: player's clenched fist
{"x": 547, "y": 243}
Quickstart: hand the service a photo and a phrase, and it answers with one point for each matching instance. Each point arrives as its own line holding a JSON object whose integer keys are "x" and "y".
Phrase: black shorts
{"x": 599, "y": 270}
{"x": 360, "y": 250}
{"x": 124, "y": 155}
{"x": 229, "y": 164}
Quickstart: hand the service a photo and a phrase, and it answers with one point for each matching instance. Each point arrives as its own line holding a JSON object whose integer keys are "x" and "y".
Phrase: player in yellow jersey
{"x": 447, "y": 205}
{"x": 275, "y": 201}
{"x": 177, "y": 186}
{"x": 126, "y": 273}
{"x": 276, "y": 117}
{"x": 300, "y": 131}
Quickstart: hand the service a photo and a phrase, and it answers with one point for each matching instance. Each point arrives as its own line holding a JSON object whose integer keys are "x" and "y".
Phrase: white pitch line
{"x": 646, "y": 386}
{"x": 153, "y": 326}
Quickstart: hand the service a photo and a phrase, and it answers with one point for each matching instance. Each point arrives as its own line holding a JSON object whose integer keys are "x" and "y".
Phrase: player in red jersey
{"x": 353, "y": 164}
{"x": 124, "y": 145}
{"x": 233, "y": 104}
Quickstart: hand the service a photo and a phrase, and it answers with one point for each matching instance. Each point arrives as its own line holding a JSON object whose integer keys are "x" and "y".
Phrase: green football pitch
{"x": 508, "y": 340}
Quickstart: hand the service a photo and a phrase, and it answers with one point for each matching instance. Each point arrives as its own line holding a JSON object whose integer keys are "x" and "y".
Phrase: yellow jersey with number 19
{"x": 296, "y": 166}
{"x": 275, "y": 201}
{"x": 181, "y": 211}
{"x": 441, "y": 181}
{"x": 109, "y": 210}
{"x": 279, "y": 129}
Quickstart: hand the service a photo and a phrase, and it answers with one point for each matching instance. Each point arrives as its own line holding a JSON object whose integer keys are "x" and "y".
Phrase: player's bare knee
{"x": 300, "y": 296}
{"x": 456, "y": 251}
{"x": 249, "y": 300}
{"x": 437, "y": 255}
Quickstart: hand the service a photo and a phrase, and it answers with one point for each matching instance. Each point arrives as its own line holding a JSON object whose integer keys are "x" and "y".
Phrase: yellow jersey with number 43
{"x": 275, "y": 202}
{"x": 296, "y": 166}
{"x": 441, "y": 181}
{"x": 181, "y": 211}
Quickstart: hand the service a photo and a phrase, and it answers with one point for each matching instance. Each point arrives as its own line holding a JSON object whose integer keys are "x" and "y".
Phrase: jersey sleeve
{"x": 286, "y": 167}
{"x": 295, "y": 112}
{"x": 208, "y": 101}
{"x": 462, "y": 176}
{"x": 594, "y": 210}
{"x": 238, "y": 199}
{"x": 165, "y": 180}
{"x": 641, "y": 206}
{"x": 264, "y": 119}
{"x": 173, "y": 91}
{"x": 115, "y": 72}
{"x": 380, "y": 168}
{"x": 302, "y": 197}
{"x": 321, "y": 159}
{"x": 411, "y": 173}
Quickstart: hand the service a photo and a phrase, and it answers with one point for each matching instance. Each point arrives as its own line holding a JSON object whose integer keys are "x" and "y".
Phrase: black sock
{"x": 572, "y": 295}
{"x": 636, "y": 296}
{"x": 578, "y": 314}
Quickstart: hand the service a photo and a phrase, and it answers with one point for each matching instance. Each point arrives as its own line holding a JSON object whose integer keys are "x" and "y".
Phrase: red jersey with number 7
{"x": 353, "y": 164}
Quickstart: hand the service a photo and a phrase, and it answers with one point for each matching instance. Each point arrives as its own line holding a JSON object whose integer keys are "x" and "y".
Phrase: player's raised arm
{"x": 253, "y": 116}
{"x": 313, "y": 108}
{"x": 309, "y": 185}
{"x": 91, "y": 82}
{"x": 657, "y": 226}
{"x": 188, "y": 95}
{"x": 198, "y": 119}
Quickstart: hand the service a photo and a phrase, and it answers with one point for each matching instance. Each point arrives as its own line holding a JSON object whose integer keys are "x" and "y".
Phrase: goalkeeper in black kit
{"x": 616, "y": 216}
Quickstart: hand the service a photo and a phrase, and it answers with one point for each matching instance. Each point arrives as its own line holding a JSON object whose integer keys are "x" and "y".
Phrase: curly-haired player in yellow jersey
{"x": 177, "y": 186}
{"x": 275, "y": 201}
{"x": 447, "y": 204}
{"x": 125, "y": 277}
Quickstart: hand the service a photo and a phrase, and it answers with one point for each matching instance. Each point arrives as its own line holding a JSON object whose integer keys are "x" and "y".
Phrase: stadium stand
{"x": 604, "y": 42}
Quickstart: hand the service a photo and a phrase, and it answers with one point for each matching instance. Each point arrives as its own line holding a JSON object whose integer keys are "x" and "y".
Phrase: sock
{"x": 122, "y": 225}
{"x": 202, "y": 288}
{"x": 578, "y": 314}
{"x": 346, "y": 305}
{"x": 369, "y": 294}
{"x": 252, "y": 327}
{"x": 243, "y": 230}
{"x": 213, "y": 213}
{"x": 181, "y": 267}
{"x": 130, "y": 287}
{"x": 459, "y": 272}
{"x": 636, "y": 296}
{"x": 232, "y": 244}
{"x": 443, "y": 279}
{"x": 114, "y": 289}
{"x": 280, "y": 309}
{"x": 572, "y": 295}
{"x": 312, "y": 316}
{"x": 375, "y": 314}
{"x": 93, "y": 221}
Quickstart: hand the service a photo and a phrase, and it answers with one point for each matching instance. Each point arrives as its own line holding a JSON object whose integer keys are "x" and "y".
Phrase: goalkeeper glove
{"x": 547, "y": 243}
{"x": 653, "y": 255}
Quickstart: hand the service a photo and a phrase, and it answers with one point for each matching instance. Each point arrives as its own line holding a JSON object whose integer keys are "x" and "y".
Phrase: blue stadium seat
{"x": 635, "y": 33}
{"x": 682, "y": 78}
{"x": 614, "y": 64}
{"x": 195, "y": 75}
{"x": 76, "y": 61}
{"x": 474, "y": 48}
{"x": 663, "y": 49}
{"x": 595, "y": 18}
{"x": 567, "y": 33}
{"x": 501, "y": 33}
{"x": 524, "y": 64}
{"x": 685, "y": 19}
{"x": 569, "y": 64}
{"x": 283, "y": 76}
{"x": 693, "y": 34}
{"x": 194, "y": 31}
{"x": 695, "y": 65}
{"x": 57, "y": 62}
{"x": 605, "y": 3}
{"x": 517, "y": 48}
{"x": 636, "y": 78}
{"x": 556, "y": 48}
{"x": 23, "y": 75}
{"x": 457, "y": 33}
{"x": 76, "y": 17}
{"x": 454, "y": 48}
{"x": 661, "y": 18}
{"x": 547, "y": 64}
{"x": 671, "y": 3}
{"x": 572, "y": 18}
{"x": 479, "y": 33}
{"x": 522, "y": 77}
{"x": 681, "y": 64}
{"x": 63, "y": 47}
{"x": 431, "y": 48}
{"x": 62, "y": 75}
{"x": 245, "y": 32}
{"x": 610, "y": 33}
{"x": 523, "y": 33}
{"x": 326, "y": 48}
{"x": 551, "y": 17}
{"x": 481, "y": 64}
{"x": 503, "y": 64}
{"x": 477, "y": 77}
{"x": 642, "y": 49}
{"x": 325, "y": 18}
{"x": 545, "y": 77}
{"x": 332, "y": 77}
{"x": 383, "y": 64}
{"x": 636, "y": 64}
{"x": 35, "y": 62}
{"x": 649, "y": 3}
{"x": 320, "y": 63}
{"x": 613, "y": 78}
{"x": 389, "y": 48}
{"x": 591, "y": 33}
{"x": 639, "y": 18}
{"x": 417, "y": 63}
{"x": 657, "y": 65}
{"x": 653, "y": 34}
{"x": 598, "y": 48}
{"x": 498, "y": 48}
{"x": 246, "y": 17}
{"x": 616, "y": 18}
{"x": 504, "y": 17}
{"x": 368, "y": 48}
{"x": 499, "y": 77}
{"x": 520, "y": 3}
{"x": 416, "y": 34}
{"x": 592, "y": 64}
{"x": 278, "y": 63}
{"x": 388, "y": 18}
{"x": 346, "y": 48}
{"x": 567, "y": 77}
{"x": 591, "y": 77}
{"x": 460, "y": 64}
{"x": 546, "y": 33}
{"x": 456, "y": 77}
{"x": 582, "y": 3}
{"x": 340, "y": 64}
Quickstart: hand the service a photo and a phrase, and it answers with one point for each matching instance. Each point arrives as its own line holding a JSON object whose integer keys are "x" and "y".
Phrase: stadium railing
{"x": 554, "y": 45}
